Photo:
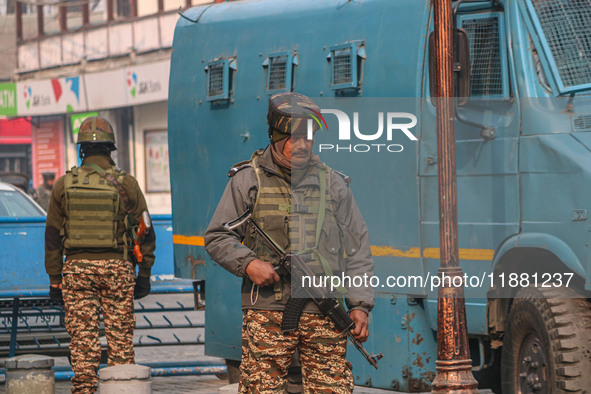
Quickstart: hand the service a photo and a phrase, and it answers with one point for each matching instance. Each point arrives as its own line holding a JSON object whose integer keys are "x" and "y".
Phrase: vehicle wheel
{"x": 547, "y": 343}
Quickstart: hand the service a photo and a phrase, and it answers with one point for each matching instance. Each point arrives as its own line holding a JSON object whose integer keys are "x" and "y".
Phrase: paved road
{"x": 148, "y": 354}
{"x": 207, "y": 384}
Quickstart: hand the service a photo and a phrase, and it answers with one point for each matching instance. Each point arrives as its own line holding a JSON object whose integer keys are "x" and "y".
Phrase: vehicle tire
{"x": 547, "y": 343}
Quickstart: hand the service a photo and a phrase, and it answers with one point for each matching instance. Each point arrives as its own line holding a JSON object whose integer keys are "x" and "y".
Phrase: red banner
{"x": 48, "y": 150}
{"x": 15, "y": 131}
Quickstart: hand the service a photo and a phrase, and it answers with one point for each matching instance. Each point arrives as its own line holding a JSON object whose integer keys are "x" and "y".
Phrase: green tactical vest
{"x": 292, "y": 221}
{"x": 92, "y": 209}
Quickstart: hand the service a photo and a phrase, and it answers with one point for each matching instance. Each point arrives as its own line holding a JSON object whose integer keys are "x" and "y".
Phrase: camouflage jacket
{"x": 227, "y": 248}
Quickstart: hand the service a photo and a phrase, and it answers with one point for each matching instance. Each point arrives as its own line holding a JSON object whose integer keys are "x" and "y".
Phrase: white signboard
{"x": 124, "y": 87}
{"x": 147, "y": 83}
{"x": 105, "y": 90}
{"x": 128, "y": 86}
{"x": 51, "y": 96}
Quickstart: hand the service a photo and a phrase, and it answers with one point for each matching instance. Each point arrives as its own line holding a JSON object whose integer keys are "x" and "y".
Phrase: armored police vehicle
{"x": 523, "y": 142}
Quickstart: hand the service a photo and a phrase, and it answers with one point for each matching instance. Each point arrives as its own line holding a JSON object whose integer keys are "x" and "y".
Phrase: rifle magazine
{"x": 292, "y": 313}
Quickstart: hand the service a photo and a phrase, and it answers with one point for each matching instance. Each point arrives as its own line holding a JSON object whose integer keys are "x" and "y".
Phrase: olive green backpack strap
{"x": 113, "y": 180}
{"x": 321, "y": 214}
{"x": 277, "y": 286}
{"x": 257, "y": 173}
{"x": 322, "y": 207}
{"x": 322, "y": 178}
{"x": 340, "y": 290}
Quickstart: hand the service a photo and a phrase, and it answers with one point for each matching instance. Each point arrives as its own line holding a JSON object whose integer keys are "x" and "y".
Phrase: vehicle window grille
{"x": 342, "y": 66}
{"x": 582, "y": 122}
{"x": 216, "y": 79}
{"x": 567, "y": 28}
{"x": 277, "y": 72}
{"x": 485, "y": 56}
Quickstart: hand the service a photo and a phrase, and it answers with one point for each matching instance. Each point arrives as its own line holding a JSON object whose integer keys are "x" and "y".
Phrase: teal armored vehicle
{"x": 523, "y": 142}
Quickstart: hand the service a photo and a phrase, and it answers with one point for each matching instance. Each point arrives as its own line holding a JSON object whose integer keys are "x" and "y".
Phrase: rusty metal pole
{"x": 453, "y": 365}
{"x": 18, "y": 11}
{"x": 133, "y": 8}
{"x": 63, "y": 18}
{"x": 110, "y": 11}
{"x": 85, "y": 14}
{"x": 40, "y": 22}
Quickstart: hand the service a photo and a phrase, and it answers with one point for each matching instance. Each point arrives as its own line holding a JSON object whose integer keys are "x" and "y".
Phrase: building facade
{"x": 105, "y": 57}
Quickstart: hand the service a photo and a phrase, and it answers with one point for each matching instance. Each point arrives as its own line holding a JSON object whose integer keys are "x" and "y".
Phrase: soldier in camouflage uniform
{"x": 291, "y": 192}
{"x": 42, "y": 193}
{"x": 92, "y": 210}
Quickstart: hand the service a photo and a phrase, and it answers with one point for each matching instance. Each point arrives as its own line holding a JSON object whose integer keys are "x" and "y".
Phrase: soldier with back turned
{"x": 92, "y": 211}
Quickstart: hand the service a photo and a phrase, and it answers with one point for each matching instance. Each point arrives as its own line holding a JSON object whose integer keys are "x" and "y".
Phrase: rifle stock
{"x": 138, "y": 236}
{"x": 293, "y": 264}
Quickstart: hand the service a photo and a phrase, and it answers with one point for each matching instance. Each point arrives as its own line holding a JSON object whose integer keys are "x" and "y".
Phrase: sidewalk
{"x": 167, "y": 384}
{"x": 233, "y": 389}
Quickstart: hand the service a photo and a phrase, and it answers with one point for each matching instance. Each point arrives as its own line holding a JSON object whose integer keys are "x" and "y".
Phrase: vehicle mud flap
{"x": 292, "y": 312}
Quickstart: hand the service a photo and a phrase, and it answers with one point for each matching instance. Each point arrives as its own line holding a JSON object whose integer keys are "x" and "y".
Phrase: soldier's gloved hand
{"x": 361, "y": 331}
{"x": 55, "y": 293}
{"x": 142, "y": 287}
{"x": 261, "y": 273}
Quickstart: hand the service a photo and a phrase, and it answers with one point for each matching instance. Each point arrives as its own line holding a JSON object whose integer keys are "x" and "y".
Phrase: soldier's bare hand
{"x": 361, "y": 331}
{"x": 261, "y": 273}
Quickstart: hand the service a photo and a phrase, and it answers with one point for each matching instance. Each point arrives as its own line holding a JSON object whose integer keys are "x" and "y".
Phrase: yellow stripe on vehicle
{"x": 188, "y": 240}
{"x": 465, "y": 254}
{"x": 376, "y": 251}
{"x": 381, "y": 251}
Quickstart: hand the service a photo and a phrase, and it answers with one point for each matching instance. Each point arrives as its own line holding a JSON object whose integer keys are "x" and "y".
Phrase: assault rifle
{"x": 138, "y": 236}
{"x": 293, "y": 265}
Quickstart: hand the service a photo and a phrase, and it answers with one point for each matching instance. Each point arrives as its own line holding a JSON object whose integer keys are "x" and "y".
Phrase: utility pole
{"x": 453, "y": 365}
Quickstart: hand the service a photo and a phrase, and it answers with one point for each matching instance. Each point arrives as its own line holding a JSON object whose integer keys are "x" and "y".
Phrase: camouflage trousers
{"x": 267, "y": 353}
{"x": 87, "y": 286}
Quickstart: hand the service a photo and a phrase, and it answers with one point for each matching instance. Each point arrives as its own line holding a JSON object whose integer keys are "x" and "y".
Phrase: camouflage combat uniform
{"x": 94, "y": 280}
{"x": 88, "y": 285}
{"x": 267, "y": 351}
